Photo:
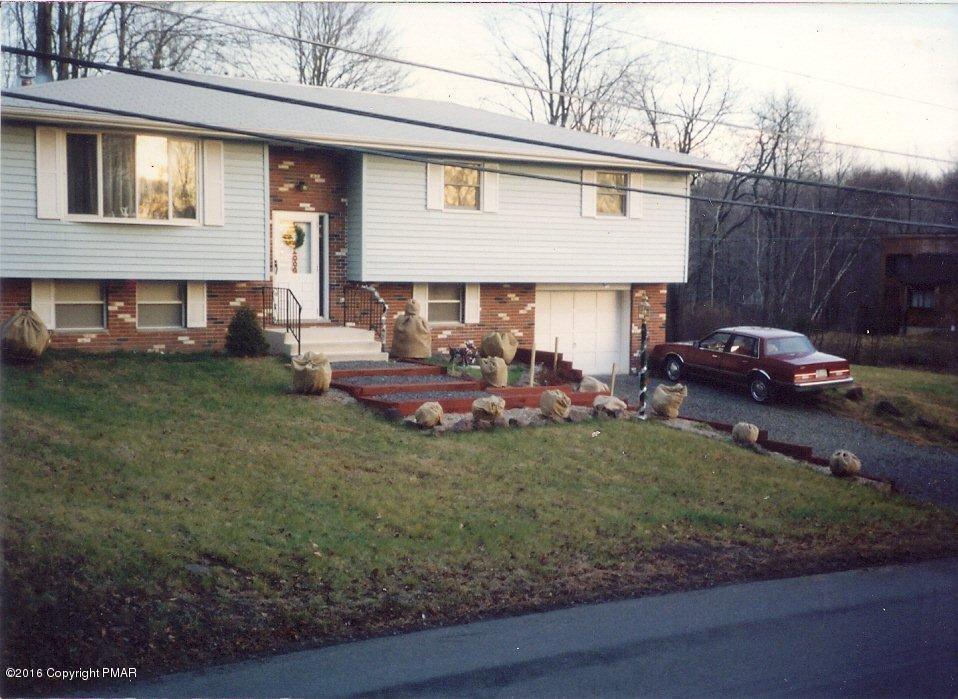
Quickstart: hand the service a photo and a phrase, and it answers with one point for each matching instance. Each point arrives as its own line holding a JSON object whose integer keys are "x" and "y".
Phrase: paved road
{"x": 883, "y": 631}
{"x": 926, "y": 473}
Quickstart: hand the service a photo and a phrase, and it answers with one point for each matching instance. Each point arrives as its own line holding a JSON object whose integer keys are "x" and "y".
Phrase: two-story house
{"x": 127, "y": 231}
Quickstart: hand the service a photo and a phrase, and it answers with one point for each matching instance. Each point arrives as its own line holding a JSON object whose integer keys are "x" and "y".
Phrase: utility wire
{"x": 511, "y": 83}
{"x": 807, "y": 76}
{"x": 193, "y": 82}
{"x": 482, "y": 168}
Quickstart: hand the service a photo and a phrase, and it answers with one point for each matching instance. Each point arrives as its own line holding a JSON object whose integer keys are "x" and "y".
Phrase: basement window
{"x": 78, "y": 305}
{"x": 160, "y": 305}
{"x": 446, "y": 303}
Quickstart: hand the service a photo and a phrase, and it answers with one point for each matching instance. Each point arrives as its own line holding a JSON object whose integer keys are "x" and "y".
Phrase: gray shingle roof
{"x": 162, "y": 99}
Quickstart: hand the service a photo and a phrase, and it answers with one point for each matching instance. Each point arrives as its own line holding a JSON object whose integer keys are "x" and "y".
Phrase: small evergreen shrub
{"x": 245, "y": 337}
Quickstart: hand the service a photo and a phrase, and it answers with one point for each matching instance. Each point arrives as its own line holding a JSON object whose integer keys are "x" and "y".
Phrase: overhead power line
{"x": 312, "y": 104}
{"x": 482, "y": 168}
{"x": 516, "y": 84}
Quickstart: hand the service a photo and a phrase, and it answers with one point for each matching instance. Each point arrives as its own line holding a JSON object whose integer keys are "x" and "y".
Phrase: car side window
{"x": 715, "y": 342}
{"x": 744, "y": 346}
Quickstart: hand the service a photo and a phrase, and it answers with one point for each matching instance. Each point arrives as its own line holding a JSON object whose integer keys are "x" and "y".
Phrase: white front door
{"x": 299, "y": 259}
{"x": 591, "y": 325}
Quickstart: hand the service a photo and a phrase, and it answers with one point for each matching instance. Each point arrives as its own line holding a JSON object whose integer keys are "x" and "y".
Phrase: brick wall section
{"x": 502, "y": 307}
{"x": 658, "y": 295}
{"x": 323, "y": 173}
{"x": 121, "y": 333}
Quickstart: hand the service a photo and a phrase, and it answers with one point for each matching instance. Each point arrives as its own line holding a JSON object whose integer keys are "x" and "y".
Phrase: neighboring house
{"x": 920, "y": 283}
{"x": 127, "y": 233}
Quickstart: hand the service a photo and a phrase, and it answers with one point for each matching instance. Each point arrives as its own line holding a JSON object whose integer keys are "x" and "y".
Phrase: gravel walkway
{"x": 925, "y": 473}
{"x": 430, "y": 395}
{"x": 395, "y": 379}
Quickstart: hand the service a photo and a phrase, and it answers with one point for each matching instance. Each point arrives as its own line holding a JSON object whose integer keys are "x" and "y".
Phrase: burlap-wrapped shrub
{"x": 844, "y": 463}
{"x": 494, "y": 371}
{"x": 311, "y": 373}
{"x": 745, "y": 433}
{"x": 666, "y": 400}
{"x": 609, "y": 405}
{"x": 487, "y": 409}
{"x": 500, "y": 345}
{"x": 555, "y": 404}
{"x": 429, "y": 414}
{"x": 590, "y": 384}
{"x": 411, "y": 336}
{"x": 25, "y": 337}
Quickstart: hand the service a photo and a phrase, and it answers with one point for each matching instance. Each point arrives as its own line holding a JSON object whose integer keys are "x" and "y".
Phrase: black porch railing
{"x": 281, "y": 308}
{"x": 364, "y": 308}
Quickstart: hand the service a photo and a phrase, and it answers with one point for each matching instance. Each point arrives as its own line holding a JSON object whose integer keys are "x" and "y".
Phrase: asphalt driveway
{"x": 924, "y": 473}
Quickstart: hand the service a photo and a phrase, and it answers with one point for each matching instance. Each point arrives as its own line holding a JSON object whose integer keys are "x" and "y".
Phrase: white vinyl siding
{"x": 538, "y": 233}
{"x": 45, "y": 248}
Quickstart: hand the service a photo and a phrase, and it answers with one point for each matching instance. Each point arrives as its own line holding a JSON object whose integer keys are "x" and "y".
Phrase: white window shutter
{"x": 214, "y": 201}
{"x": 420, "y": 292}
{"x": 41, "y": 300}
{"x": 434, "y": 183}
{"x": 48, "y": 173}
{"x": 635, "y": 198}
{"x": 588, "y": 193}
{"x": 489, "y": 190}
{"x": 471, "y": 311}
{"x": 196, "y": 304}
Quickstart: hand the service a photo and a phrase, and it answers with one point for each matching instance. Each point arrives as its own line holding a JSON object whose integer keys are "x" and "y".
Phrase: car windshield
{"x": 798, "y": 344}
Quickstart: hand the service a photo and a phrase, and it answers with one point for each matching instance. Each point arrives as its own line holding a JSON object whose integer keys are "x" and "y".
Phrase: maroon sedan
{"x": 765, "y": 360}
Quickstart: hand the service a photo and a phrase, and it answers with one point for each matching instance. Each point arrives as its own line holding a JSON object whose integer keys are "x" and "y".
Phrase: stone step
{"x": 335, "y": 341}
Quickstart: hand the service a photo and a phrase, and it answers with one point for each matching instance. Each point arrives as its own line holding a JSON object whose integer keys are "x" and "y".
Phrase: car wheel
{"x": 673, "y": 368}
{"x": 759, "y": 388}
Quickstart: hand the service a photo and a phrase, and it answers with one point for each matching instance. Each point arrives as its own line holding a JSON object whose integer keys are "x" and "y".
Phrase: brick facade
{"x": 502, "y": 307}
{"x": 121, "y": 333}
{"x": 658, "y": 298}
{"x": 314, "y": 181}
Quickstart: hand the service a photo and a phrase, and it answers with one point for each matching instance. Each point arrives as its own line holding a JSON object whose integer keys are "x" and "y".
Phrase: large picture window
{"x": 131, "y": 176}
{"x": 78, "y": 305}
{"x": 160, "y": 305}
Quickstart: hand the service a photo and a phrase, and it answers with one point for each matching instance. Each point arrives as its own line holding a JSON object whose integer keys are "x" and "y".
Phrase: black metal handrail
{"x": 282, "y": 308}
{"x": 363, "y": 307}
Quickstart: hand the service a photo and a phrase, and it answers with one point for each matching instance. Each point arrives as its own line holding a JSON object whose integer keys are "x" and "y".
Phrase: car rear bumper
{"x": 813, "y": 386}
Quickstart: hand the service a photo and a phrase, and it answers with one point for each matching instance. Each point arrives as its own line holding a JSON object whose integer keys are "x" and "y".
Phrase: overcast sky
{"x": 908, "y": 50}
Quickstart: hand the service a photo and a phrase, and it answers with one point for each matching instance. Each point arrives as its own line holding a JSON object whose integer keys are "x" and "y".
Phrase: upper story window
{"x": 460, "y": 187}
{"x": 131, "y": 176}
{"x": 610, "y": 201}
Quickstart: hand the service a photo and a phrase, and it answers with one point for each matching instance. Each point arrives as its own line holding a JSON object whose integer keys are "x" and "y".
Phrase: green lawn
{"x": 929, "y": 401}
{"x": 313, "y": 521}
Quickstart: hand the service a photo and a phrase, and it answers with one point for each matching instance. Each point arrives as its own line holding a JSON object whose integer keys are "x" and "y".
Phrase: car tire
{"x": 759, "y": 388}
{"x": 673, "y": 368}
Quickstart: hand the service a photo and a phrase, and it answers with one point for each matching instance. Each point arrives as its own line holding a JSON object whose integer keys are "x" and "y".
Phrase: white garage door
{"x": 592, "y": 327}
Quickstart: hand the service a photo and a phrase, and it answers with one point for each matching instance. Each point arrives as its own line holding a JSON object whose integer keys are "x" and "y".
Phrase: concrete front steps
{"x": 338, "y": 343}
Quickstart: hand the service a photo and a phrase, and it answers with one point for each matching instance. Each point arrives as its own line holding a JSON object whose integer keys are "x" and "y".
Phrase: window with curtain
{"x": 460, "y": 187}
{"x": 160, "y": 304}
{"x": 610, "y": 201}
{"x": 144, "y": 176}
{"x": 78, "y": 305}
{"x": 446, "y": 303}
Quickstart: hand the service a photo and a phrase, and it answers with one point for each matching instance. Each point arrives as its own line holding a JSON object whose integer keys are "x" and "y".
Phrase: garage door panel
{"x": 590, "y": 326}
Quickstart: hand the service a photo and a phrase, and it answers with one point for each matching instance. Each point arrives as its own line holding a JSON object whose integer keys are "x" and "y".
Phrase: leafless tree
{"x": 565, "y": 48}
{"x": 351, "y": 25}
